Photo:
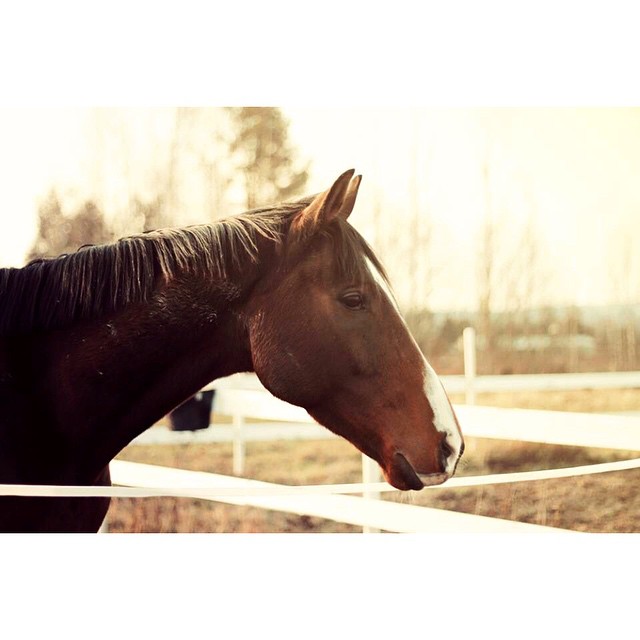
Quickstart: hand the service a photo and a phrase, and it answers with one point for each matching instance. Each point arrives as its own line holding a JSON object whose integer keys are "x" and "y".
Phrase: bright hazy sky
{"x": 572, "y": 171}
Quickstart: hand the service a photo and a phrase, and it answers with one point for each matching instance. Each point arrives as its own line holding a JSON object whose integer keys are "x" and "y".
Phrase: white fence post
{"x": 370, "y": 473}
{"x": 469, "y": 348}
{"x": 239, "y": 444}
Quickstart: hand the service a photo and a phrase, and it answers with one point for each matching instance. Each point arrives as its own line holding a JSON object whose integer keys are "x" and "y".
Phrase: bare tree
{"x": 486, "y": 269}
{"x": 522, "y": 274}
{"x": 511, "y": 275}
{"x": 625, "y": 290}
{"x": 421, "y": 265}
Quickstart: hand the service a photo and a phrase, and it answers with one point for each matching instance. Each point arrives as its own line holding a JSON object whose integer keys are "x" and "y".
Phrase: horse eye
{"x": 352, "y": 300}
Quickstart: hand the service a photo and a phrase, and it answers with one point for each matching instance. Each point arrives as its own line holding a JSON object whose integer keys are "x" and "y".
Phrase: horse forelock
{"x": 354, "y": 259}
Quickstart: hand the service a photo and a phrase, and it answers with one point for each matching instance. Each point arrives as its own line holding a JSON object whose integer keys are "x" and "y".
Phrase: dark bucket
{"x": 193, "y": 414}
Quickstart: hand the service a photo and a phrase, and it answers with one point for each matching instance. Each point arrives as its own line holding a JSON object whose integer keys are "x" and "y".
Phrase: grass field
{"x": 606, "y": 502}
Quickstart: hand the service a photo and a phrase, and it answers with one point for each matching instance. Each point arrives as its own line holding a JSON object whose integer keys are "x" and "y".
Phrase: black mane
{"x": 54, "y": 292}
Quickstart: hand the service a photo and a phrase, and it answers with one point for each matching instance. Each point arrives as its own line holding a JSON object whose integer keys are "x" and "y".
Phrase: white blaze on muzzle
{"x": 444, "y": 420}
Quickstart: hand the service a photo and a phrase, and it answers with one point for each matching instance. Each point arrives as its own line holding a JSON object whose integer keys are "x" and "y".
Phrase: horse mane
{"x": 98, "y": 279}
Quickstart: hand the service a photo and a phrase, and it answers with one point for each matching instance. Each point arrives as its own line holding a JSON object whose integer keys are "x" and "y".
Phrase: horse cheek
{"x": 281, "y": 361}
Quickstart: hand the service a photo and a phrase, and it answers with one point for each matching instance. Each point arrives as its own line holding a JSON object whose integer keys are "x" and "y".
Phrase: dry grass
{"x": 604, "y": 502}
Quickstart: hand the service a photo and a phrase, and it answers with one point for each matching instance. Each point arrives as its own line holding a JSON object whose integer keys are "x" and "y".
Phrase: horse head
{"x": 325, "y": 334}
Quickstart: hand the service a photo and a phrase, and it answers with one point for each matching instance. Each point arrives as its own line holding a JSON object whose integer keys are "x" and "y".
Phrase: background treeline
{"x": 213, "y": 162}
{"x": 545, "y": 340}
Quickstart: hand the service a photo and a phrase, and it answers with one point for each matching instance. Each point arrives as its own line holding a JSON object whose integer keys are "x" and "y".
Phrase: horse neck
{"x": 114, "y": 378}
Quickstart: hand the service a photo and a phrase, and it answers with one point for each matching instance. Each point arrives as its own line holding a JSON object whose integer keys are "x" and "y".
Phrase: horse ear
{"x": 336, "y": 202}
{"x": 349, "y": 199}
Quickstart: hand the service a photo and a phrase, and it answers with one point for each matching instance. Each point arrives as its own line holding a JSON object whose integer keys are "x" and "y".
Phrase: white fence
{"x": 371, "y": 514}
{"x": 470, "y": 383}
{"x": 242, "y": 397}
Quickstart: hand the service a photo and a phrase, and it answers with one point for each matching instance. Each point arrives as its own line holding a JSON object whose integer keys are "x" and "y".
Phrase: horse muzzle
{"x": 403, "y": 476}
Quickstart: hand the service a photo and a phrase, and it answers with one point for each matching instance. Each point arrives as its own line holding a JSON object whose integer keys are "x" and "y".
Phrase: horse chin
{"x": 432, "y": 479}
{"x": 403, "y": 476}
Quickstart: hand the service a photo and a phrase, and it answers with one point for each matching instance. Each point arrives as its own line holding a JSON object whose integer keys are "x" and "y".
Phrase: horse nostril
{"x": 445, "y": 452}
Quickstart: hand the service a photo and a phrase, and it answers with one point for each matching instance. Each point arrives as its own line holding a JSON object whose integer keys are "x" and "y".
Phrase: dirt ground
{"x": 599, "y": 503}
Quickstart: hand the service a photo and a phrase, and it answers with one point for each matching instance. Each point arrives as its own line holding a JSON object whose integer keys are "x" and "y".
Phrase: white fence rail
{"x": 551, "y": 427}
{"x": 497, "y": 383}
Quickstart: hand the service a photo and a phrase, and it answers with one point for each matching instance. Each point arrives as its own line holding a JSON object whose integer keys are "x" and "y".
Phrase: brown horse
{"x": 98, "y": 345}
